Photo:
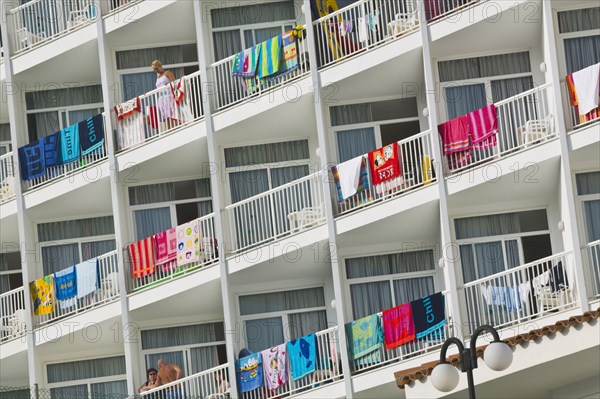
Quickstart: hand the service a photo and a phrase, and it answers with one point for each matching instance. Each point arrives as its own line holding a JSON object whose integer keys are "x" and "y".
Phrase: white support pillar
{"x": 449, "y": 256}
{"x": 336, "y": 266}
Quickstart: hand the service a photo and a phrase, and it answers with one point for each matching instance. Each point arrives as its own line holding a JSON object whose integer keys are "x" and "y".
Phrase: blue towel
{"x": 51, "y": 149}
{"x": 66, "y": 283}
{"x": 31, "y": 159}
{"x": 302, "y": 353}
{"x": 249, "y": 372}
{"x": 91, "y": 134}
{"x": 69, "y": 144}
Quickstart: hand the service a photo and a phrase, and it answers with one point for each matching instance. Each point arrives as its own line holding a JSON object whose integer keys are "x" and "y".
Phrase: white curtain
{"x": 355, "y": 142}
{"x": 86, "y": 369}
{"x": 182, "y": 335}
{"x": 263, "y": 333}
{"x": 55, "y": 231}
{"x": 204, "y": 358}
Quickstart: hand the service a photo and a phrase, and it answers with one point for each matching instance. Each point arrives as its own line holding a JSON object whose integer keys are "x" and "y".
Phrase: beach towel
{"x": 178, "y": 91}
{"x": 131, "y": 130}
{"x": 51, "y": 150}
{"x": 166, "y": 246}
{"x": 483, "y": 127}
{"x": 128, "y": 108}
{"x": 429, "y": 314}
{"x": 587, "y": 87}
{"x": 141, "y": 256}
{"x": 188, "y": 243}
{"x": 249, "y": 372}
{"x": 364, "y": 337}
{"x": 87, "y": 277}
{"x": 573, "y": 101}
{"x": 363, "y": 181}
{"x": 274, "y": 360}
{"x": 251, "y": 57}
{"x": 288, "y": 61}
{"x": 398, "y": 326}
{"x": 386, "y": 173}
{"x": 238, "y": 63}
{"x": 42, "y": 295}
{"x": 302, "y": 353}
{"x": 91, "y": 134}
{"x": 65, "y": 282}
{"x": 455, "y": 135}
{"x": 69, "y": 144}
{"x": 31, "y": 159}
{"x": 348, "y": 177}
{"x": 270, "y": 53}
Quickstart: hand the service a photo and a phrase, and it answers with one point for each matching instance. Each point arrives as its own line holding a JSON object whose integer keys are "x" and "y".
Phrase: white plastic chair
{"x": 537, "y": 129}
{"x": 110, "y": 286}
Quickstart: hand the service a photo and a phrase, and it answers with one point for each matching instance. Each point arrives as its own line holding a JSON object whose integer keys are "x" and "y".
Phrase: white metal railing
{"x": 38, "y": 21}
{"x": 7, "y": 177}
{"x": 168, "y": 271}
{"x": 12, "y": 314}
{"x": 115, "y": 5}
{"x": 572, "y": 118}
{"x": 328, "y": 370}
{"x": 438, "y": 9}
{"x": 417, "y": 171}
{"x": 108, "y": 291}
{"x": 284, "y": 210}
{"x": 231, "y": 90}
{"x": 523, "y": 120}
{"x": 59, "y": 171}
{"x": 160, "y": 113}
{"x": 521, "y": 293}
{"x": 593, "y": 257}
{"x": 383, "y": 357}
{"x": 361, "y": 26}
{"x": 210, "y": 384}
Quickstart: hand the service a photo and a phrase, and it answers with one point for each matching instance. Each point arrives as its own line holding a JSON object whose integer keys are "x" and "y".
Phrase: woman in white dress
{"x": 165, "y": 103}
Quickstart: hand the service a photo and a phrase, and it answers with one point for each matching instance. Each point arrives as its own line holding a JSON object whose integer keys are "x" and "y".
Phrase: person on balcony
{"x": 167, "y": 373}
{"x": 150, "y": 379}
{"x": 165, "y": 104}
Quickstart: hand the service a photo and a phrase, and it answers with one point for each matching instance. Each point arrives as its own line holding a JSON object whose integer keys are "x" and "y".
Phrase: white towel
{"x": 87, "y": 277}
{"x": 587, "y": 86}
{"x": 349, "y": 173}
{"x": 363, "y": 30}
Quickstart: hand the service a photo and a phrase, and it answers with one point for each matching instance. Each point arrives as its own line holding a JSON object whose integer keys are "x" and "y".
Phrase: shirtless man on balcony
{"x": 166, "y": 373}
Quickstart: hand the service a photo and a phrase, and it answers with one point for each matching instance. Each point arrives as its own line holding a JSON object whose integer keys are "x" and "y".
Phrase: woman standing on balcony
{"x": 165, "y": 104}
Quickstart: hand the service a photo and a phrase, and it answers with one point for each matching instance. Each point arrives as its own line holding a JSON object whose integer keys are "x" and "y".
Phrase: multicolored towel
{"x": 398, "y": 326}
{"x": 91, "y": 134}
{"x": 364, "y": 337}
{"x": 273, "y": 361}
{"x": 288, "y": 61}
{"x": 31, "y": 159}
{"x": 51, "y": 150}
{"x": 238, "y": 63}
{"x": 141, "y": 255}
{"x": 362, "y": 179}
{"x": 188, "y": 243}
{"x": 42, "y": 295}
{"x": 575, "y": 102}
{"x": 87, "y": 277}
{"x": 384, "y": 163}
{"x": 483, "y": 127}
{"x": 251, "y": 57}
{"x": 270, "y": 55}
{"x": 69, "y": 144}
{"x": 587, "y": 87}
{"x": 249, "y": 372}
{"x": 303, "y": 356}
{"x": 429, "y": 314}
{"x": 178, "y": 91}
{"x": 128, "y": 108}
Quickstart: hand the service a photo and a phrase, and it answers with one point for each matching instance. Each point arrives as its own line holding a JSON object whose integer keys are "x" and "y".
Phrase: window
{"x": 158, "y": 207}
{"x": 588, "y": 191}
{"x": 273, "y": 318}
{"x": 5, "y": 145}
{"x": 494, "y": 243}
{"x": 579, "y": 32}
{"x": 49, "y": 111}
{"x": 381, "y": 282}
{"x": 237, "y": 28}
{"x": 362, "y": 128}
{"x": 194, "y": 348}
{"x": 137, "y": 77}
{"x": 70, "y": 242}
{"x": 10, "y": 271}
{"x": 94, "y": 378}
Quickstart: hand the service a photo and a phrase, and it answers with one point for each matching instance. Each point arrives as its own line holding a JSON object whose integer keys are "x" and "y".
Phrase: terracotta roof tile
{"x": 407, "y": 376}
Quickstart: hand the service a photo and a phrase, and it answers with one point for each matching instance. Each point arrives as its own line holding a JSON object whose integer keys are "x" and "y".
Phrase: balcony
{"x": 12, "y": 315}
{"x": 572, "y": 118}
{"x": 7, "y": 178}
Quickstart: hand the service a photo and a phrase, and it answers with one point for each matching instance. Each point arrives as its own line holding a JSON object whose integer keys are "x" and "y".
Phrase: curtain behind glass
{"x": 506, "y": 88}
{"x": 381, "y": 265}
{"x": 264, "y": 333}
{"x": 490, "y": 259}
{"x": 282, "y": 301}
{"x": 582, "y": 52}
{"x": 351, "y": 114}
{"x": 4, "y": 131}
{"x": 485, "y": 226}
{"x": 252, "y": 14}
{"x": 281, "y": 176}
{"x": 113, "y": 389}
{"x": 260, "y": 35}
{"x": 81, "y": 115}
{"x": 467, "y": 262}
{"x": 226, "y": 43}
{"x": 370, "y": 298}
{"x": 78, "y": 228}
{"x": 481, "y": 67}
{"x": 46, "y": 123}
{"x": 579, "y": 20}
{"x": 512, "y": 253}
{"x": 267, "y": 153}
{"x": 247, "y": 184}
{"x": 72, "y": 392}
{"x": 136, "y": 84}
{"x": 64, "y": 97}
{"x": 588, "y": 183}
{"x": 176, "y": 357}
{"x": 93, "y": 249}
{"x": 151, "y": 221}
{"x": 461, "y": 100}
{"x": 355, "y": 142}
{"x": 168, "y": 55}
{"x": 302, "y": 324}
{"x": 151, "y": 193}
{"x": 58, "y": 257}
{"x": 410, "y": 289}
{"x": 182, "y": 335}
{"x": 204, "y": 358}
{"x": 85, "y": 369}
{"x": 16, "y": 394}
{"x": 592, "y": 219}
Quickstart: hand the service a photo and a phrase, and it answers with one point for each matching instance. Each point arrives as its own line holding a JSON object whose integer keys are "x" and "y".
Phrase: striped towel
{"x": 270, "y": 55}
{"x": 483, "y": 126}
{"x": 288, "y": 61}
{"x": 141, "y": 255}
{"x": 455, "y": 135}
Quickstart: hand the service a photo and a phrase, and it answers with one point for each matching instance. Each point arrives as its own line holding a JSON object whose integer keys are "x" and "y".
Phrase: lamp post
{"x": 497, "y": 356}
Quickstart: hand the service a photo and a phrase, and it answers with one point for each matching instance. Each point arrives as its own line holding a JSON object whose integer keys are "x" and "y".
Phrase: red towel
{"x": 141, "y": 255}
{"x": 152, "y": 117}
{"x": 166, "y": 246}
{"x": 398, "y": 326}
{"x": 483, "y": 126}
{"x": 384, "y": 164}
{"x": 455, "y": 135}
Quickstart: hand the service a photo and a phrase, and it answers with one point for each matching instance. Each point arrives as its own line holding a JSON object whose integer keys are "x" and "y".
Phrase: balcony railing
{"x": 38, "y": 21}
{"x": 210, "y": 384}
{"x": 572, "y": 118}
{"x": 287, "y": 209}
{"x": 438, "y": 9}
{"x": 523, "y": 120}
{"x": 160, "y": 113}
{"x": 109, "y": 291}
{"x": 7, "y": 177}
{"x": 417, "y": 171}
{"x": 169, "y": 271}
{"x": 12, "y": 314}
{"x": 593, "y": 258}
{"x": 521, "y": 293}
{"x": 361, "y": 26}
{"x": 230, "y": 90}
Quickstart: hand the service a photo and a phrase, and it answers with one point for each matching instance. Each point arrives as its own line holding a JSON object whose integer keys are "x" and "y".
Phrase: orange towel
{"x": 141, "y": 255}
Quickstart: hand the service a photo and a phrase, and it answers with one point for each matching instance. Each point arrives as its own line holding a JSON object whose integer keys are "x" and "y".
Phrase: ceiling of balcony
{"x": 9, "y": 230}
{"x": 14, "y": 370}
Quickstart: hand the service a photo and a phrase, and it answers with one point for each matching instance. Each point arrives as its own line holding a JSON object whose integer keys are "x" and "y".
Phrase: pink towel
{"x": 455, "y": 135}
{"x": 483, "y": 126}
{"x": 274, "y": 360}
{"x": 398, "y": 326}
{"x": 166, "y": 246}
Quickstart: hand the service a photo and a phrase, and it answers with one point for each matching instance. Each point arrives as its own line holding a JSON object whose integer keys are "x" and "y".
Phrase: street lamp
{"x": 497, "y": 356}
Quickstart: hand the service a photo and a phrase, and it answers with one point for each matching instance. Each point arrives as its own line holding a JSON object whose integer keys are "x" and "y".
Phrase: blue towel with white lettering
{"x": 91, "y": 134}
{"x": 66, "y": 283}
{"x": 69, "y": 144}
{"x": 31, "y": 160}
{"x": 429, "y": 314}
{"x": 51, "y": 149}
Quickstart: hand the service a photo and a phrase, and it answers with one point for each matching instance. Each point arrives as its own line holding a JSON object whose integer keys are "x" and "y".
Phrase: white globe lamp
{"x": 498, "y": 356}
